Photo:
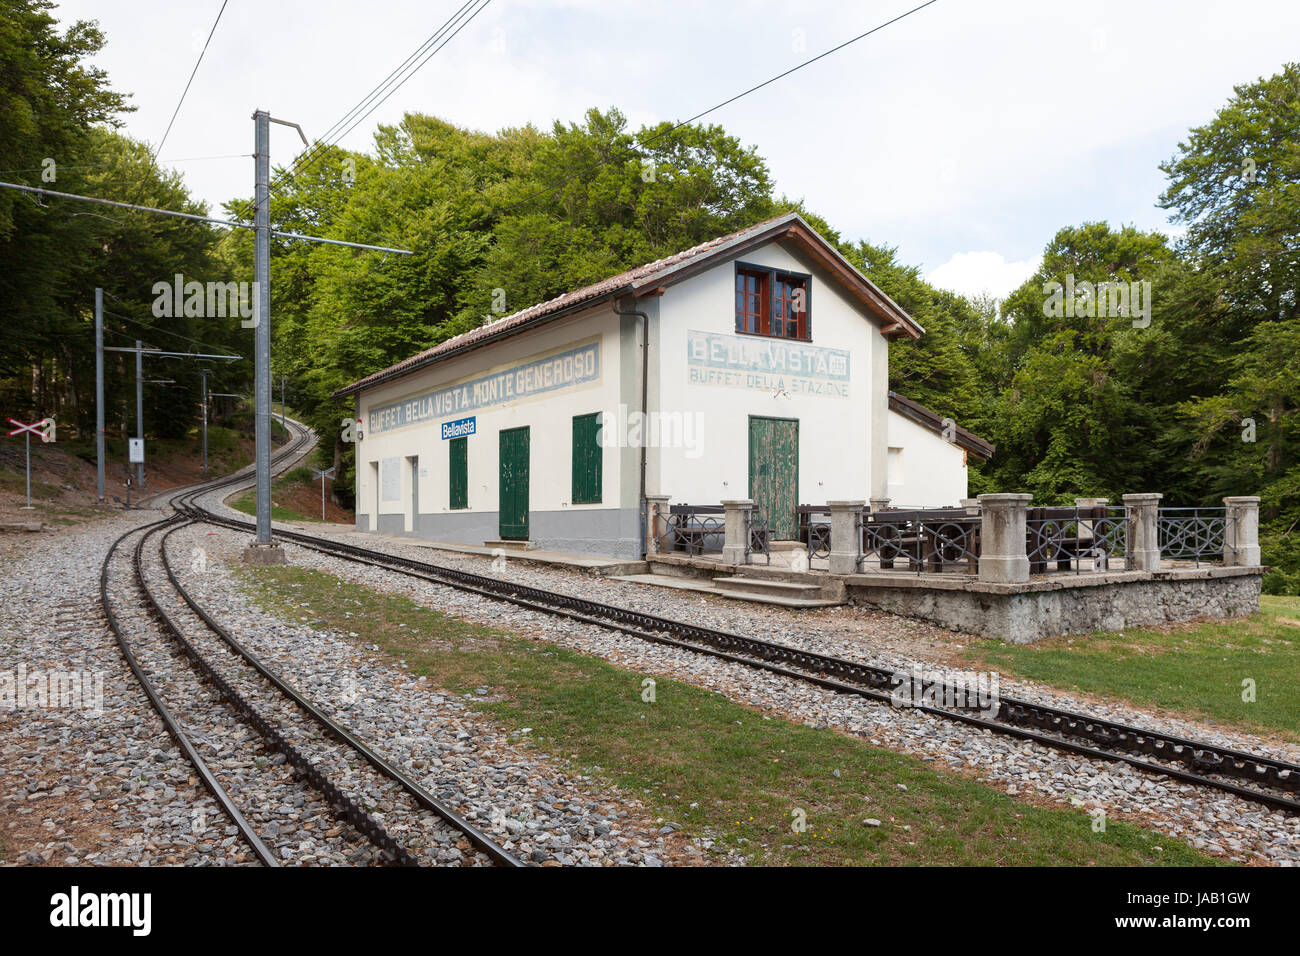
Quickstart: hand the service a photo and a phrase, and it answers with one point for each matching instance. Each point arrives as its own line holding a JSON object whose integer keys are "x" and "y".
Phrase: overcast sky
{"x": 966, "y": 134}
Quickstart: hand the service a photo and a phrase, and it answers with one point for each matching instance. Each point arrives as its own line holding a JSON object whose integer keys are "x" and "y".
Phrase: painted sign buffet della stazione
{"x": 766, "y": 364}
{"x": 564, "y": 370}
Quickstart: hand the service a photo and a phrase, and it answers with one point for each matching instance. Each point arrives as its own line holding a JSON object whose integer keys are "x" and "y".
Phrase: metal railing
{"x": 758, "y": 538}
{"x": 1199, "y": 534}
{"x": 1075, "y": 539}
{"x": 691, "y": 529}
{"x": 948, "y": 540}
{"x": 815, "y": 530}
{"x": 938, "y": 540}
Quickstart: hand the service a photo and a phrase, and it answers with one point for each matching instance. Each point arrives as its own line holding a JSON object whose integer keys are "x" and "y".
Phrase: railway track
{"x": 1254, "y": 777}
{"x": 205, "y": 685}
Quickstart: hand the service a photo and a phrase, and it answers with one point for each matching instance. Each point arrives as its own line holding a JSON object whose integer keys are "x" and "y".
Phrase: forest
{"x": 1196, "y": 398}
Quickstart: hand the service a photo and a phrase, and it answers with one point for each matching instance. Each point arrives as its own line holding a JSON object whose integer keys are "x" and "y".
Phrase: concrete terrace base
{"x": 1048, "y": 605}
{"x": 1053, "y": 606}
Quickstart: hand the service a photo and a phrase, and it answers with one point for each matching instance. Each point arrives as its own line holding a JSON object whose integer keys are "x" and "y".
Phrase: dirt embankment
{"x": 64, "y": 486}
{"x": 304, "y": 498}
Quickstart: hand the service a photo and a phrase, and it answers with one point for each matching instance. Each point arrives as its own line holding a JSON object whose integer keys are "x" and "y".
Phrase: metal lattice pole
{"x": 204, "y": 373}
{"x": 139, "y": 408}
{"x": 99, "y": 392}
{"x": 262, "y": 283}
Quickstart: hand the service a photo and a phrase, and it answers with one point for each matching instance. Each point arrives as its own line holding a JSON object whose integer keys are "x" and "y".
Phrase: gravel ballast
{"x": 1216, "y": 822}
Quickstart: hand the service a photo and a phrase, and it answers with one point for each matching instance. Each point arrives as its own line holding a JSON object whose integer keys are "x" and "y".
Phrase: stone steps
{"x": 774, "y": 588}
{"x": 511, "y": 545}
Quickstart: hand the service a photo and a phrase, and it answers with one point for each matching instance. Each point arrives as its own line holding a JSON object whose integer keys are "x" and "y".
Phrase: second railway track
{"x": 1257, "y": 778}
{"x": 270, "y": 756}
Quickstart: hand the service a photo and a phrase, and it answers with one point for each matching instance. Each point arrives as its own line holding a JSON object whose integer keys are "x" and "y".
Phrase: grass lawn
{"x": 710, "y": 765}
{"x": 1197, "y": 669}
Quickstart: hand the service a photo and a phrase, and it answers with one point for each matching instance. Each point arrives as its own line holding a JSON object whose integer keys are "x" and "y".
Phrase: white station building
{"x": 755, "y": 365}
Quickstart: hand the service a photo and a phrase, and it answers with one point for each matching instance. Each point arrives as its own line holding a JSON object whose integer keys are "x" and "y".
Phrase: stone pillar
{"x": 1241, "y": 532}
{"x": 1143, "y": 531}
{"x": 1091, "y": 502}
{"x": 1003, "y": 559}
{"x": 737, "y": 512}
{"x": 879, "y": 504}
{"x": 846, "y": 536}
{"x": 655, "y": 505}
{"x": 972, "y": 505}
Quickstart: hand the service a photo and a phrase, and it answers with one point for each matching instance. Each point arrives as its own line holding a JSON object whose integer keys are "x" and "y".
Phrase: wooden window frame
{"x": 768, "y": 276}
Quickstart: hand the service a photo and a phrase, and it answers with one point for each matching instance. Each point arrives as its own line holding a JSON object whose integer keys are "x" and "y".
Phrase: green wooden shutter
{"x": 587, "y": 459}
{"x": 458, "y": 481}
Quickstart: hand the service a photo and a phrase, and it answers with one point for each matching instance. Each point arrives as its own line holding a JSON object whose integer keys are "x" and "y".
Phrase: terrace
{"x": 996, "y": 566}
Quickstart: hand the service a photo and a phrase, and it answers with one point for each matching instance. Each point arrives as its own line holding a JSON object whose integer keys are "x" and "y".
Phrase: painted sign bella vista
{"x": 574, "y": 367}
{"x": 765, "y": 364}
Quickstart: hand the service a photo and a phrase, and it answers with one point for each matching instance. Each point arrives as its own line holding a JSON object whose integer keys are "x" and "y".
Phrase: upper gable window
{"x": 772, "y": 302}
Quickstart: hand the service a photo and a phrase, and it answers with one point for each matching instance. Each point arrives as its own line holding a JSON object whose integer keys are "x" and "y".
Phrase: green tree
{"x": 1235, "y": 183}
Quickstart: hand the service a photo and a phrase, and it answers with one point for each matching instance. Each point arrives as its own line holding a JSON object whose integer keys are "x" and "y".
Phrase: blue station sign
{"x": 459, "y": 428}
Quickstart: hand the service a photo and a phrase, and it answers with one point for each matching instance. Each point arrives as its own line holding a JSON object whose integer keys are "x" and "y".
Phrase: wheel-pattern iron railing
{"x": 1198, "y": 534}
{"x": 691, "y": 529}
{"x": 815, "y": 530}
{"x": 1075, "y": 539}
{"x": 938, "y": 540}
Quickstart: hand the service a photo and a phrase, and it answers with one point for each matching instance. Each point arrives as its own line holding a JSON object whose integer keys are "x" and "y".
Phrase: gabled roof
{"x": 651, "y": 279}
{"x": 926, "y": 418}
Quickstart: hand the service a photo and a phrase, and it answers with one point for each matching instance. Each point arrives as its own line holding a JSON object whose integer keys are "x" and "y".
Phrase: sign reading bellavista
{"x": 135, "y": 451}
{"x": 459, "y": 428}
{"x": 766, "y": 364}
{"x": 564, "y": 370}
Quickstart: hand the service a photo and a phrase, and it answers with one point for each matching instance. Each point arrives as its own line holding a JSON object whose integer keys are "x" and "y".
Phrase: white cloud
{"x": 966, "y": 126}
{"x": 982, "y": 273}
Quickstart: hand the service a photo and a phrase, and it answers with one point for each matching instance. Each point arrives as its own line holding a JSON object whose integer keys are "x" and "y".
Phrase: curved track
{"x": 1254, "y": 777}
{"x": 252, "y": 690}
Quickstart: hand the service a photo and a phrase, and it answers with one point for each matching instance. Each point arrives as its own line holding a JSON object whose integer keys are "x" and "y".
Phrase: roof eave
{"x": 380, "y": 378}
{"x": 915, "y": 412}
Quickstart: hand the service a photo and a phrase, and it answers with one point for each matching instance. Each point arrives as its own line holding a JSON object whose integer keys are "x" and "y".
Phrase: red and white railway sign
{"x": 40, "y": 429}
{"x": 44, "y": 430}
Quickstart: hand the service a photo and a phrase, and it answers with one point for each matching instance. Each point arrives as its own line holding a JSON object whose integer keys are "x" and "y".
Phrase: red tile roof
{"x": 639, "y": 281}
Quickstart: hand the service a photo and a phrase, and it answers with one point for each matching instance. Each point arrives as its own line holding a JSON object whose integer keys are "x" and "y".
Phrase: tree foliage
{"x": 1197, "y": 398}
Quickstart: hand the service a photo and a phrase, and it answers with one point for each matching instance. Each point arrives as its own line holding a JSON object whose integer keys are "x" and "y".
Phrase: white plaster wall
{"x": 934, "y": 470}
{"x": 835, "y": 434}
{"x": 549, "y": 416}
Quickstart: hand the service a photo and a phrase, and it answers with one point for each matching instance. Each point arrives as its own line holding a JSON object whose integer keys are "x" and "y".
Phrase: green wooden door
{"x": 513, "y": 484}
{"x": 774, "y": 473}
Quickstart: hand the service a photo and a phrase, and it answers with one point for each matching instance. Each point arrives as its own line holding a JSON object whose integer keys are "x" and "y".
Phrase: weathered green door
{"x": 514, "y": 483}
{"x": 774, "y": 473}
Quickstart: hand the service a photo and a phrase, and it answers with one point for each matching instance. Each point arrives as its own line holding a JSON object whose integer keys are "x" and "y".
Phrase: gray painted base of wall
{"x": 611, "y": 532}
{"x": 1028, "y": 616}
